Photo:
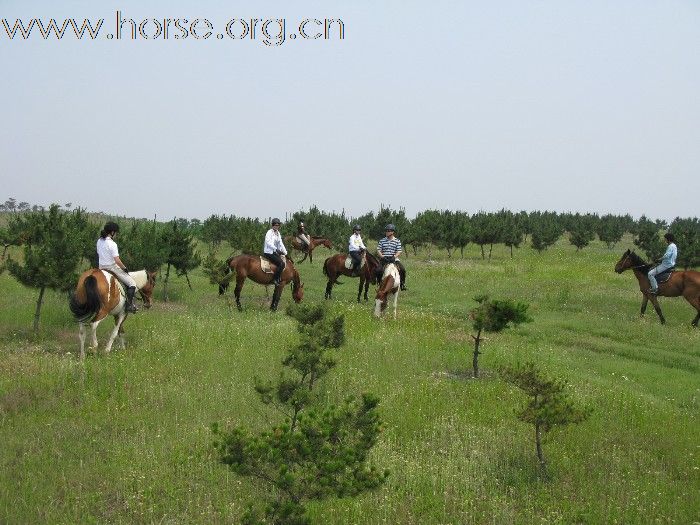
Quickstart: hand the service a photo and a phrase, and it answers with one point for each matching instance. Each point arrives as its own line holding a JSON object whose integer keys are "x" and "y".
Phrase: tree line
{"x": 59, "y": 241}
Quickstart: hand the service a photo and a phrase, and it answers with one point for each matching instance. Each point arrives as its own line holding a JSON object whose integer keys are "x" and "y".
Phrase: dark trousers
{"x": 356, "y": 259}
{"x": 275, "y": 259}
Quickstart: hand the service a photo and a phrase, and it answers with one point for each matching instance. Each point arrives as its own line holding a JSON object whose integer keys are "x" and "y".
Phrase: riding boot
{"x": 130, "y": 306}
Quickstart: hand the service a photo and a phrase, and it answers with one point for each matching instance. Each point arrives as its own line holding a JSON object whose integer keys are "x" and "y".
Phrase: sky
{"x": 589, "y": 106}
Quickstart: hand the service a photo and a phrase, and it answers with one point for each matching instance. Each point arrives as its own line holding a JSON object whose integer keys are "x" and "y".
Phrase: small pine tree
{"x": 581, "y": 235}
{"x": 610, "y": 229}
{"x": 549, "y": 404}
{"x": 648, "y": 238}
{"x": 494, "y": 316}
{"x": 53, "y": 246}
{"x": 317, "y": 452}
{"x": 215, "y": 269}
{"x": 545, "y": 231}
{"x": 182, "y": 254}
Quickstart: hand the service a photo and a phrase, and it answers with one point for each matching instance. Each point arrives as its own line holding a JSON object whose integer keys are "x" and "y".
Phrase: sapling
{"x": 549, "y": 405}
{"x": 494, "y": 316}
{"x": 318, "y": 451}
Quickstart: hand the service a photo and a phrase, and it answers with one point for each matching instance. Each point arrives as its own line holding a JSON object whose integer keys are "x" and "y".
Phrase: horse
{"x": 685, "y": 283}
{"x": 245, "y": 265}
{"x": 388, "y": 289}
{"x": 99, "y": 294}
{"x": 334, "y": 266}
{"x": 294, "y": 242}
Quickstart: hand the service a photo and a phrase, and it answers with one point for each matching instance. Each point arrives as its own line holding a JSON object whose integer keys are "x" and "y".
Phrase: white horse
{"x": 99, "y": 294}
{"x": 388, "y": 290}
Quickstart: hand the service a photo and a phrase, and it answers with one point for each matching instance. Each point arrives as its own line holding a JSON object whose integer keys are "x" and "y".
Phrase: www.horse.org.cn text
{"x": 271, "y": 32}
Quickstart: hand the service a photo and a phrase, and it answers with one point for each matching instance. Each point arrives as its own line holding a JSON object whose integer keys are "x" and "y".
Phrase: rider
{"x": 304, "y": 238}
{"x": 389, "y": 249}
{"x": 274, "y": 249}
{"x": 108, "y": 257}
{"x": 356, "y": 247}
{"x": 667, "y": 261}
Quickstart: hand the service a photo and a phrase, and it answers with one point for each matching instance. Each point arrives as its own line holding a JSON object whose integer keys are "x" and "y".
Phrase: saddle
{"x": 665, "y": 275}
{"x": 266, "y": 266}
{"x": 348, "y": 262}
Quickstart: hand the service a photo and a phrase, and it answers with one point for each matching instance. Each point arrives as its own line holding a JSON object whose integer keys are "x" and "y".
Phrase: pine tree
{"x": 648, "y": 238}
{"x": 610, "y": 229}
{"x": 53, "y": 246}
{"x": 182, "y": 254}
{"x": 317, "y": 452}
{"x": 549, "y": 404}
{"x": 687, "y": 234}
{"x": 494, "y": 316}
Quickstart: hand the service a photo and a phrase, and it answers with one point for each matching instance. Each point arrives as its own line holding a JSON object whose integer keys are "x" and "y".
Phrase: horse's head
{"x": 146, "y": 291}
{"x": 297, "y": 291}
{"x": 625, "y": 262}
{"x": 327, "y": 243}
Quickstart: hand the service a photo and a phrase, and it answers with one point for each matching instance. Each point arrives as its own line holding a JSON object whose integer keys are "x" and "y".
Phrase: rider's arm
{"x": 120, "y": 263}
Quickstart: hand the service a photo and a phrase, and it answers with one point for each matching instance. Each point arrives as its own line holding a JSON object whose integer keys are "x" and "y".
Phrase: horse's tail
{"x": 229, "y": 274}
{"x": 92, "y": 305}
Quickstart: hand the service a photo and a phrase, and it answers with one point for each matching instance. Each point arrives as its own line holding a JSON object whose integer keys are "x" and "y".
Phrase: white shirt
{"x": 106, "y": 251}
{"x": 273, "y": 242}
{"x": 356, "y": 243}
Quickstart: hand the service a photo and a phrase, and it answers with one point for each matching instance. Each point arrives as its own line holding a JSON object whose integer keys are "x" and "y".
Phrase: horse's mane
{"x": 639, "y": 263}
{"x": 317, "y": 237}
{"x": 372, "y": 258}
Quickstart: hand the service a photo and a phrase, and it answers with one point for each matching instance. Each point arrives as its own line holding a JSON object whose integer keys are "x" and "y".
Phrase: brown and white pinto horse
{"x": 99, "y": 294}
{"x": 243, "y": 266}
{"x": 293, "y": 241}
{"x": 685, "y": 283}
{"x": 334, "y": 267}
{"x": 388, "y": 289}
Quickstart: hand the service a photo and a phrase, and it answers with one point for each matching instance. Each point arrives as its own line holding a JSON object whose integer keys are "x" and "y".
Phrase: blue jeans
{"x": 654, "y": 272}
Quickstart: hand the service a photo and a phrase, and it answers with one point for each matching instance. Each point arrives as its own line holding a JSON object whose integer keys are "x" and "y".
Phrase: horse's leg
{"x": 359, "y": 288}
{"x": 240, "y": 279}
{"x": 119, "y": 318}
{"x": 655, "y": 302}
{"x": 120, "y": 332}
{"x": 645, "y": 300}
{"x": 311, "y": 255}
{"x": 276, "y": 297}
{"x": 81, "y": 336}
{"x": 367, "y": 282}
{"x": 303, "y": 258}
{"x": 93, "y": 335}
{"x": 695, "y": 303}
{"x": 396, "y": 300}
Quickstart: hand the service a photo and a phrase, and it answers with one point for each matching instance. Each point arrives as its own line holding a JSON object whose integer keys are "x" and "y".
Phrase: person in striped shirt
{"x": 389, "y": 249}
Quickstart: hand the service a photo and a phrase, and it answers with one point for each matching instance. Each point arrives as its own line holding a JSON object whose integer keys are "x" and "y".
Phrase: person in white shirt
{"x": 108, "y": 257}
{"x": 356, "y": 247}
{"x": 667, "y": 261}
{"x": 274, "y": 249}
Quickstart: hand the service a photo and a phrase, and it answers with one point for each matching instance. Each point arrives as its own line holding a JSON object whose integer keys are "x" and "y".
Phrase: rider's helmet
{"x": 301, "y": 225}
{"x": 276, "y": 221}
{"x": 357, "y": 228}
{"x": 390, "y": 228}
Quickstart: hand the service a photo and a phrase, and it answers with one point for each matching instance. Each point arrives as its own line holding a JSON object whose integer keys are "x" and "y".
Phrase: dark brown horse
{"x": 99, "y": 294}
{"x": 294, "y": 242}
{"x": 685, "y": 283}
{"x": 243, "y": 266}
{"x": 388, "y": 290}
{"x": 334, "y": 267}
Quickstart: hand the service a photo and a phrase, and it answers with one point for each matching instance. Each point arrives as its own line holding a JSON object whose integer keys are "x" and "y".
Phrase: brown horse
{"x": 388, "y": 289}
{"x": 685, "y": 283}
{"x": 334, "y": 266}
{"x": 99, "y": 294}
{"x": 294, "y": 242}
{"x": 243, "y": 266}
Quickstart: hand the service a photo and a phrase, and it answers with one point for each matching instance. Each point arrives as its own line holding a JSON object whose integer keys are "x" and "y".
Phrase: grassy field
{"x": 125, "y": 437}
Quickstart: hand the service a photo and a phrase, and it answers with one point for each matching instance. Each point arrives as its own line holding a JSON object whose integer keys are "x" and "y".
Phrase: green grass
{"x": 125, "y": 437}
